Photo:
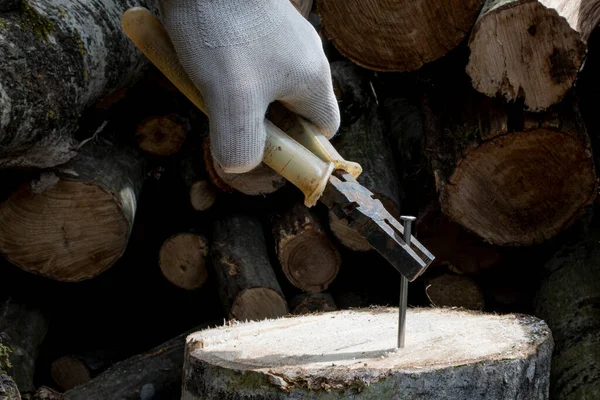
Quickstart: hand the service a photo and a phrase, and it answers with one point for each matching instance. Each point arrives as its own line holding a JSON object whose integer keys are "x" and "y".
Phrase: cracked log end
{"x": 353, "y": 354}
{"x": 525, "y": 50}
{"x": 536, "y": 183}
{"x": 74, "y": 231}
{"x": 182, "y": 260}
{"x": 402, "y": 36}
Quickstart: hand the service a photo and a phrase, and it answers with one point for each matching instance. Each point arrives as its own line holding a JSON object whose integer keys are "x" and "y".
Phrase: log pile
{"x": 478, "y": 117}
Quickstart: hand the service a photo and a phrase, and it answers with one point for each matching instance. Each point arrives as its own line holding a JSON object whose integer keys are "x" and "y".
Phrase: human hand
{"x": 243, "y": 55}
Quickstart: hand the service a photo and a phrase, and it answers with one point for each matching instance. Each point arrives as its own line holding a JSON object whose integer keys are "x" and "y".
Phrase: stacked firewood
{"x": 474, "y": 116}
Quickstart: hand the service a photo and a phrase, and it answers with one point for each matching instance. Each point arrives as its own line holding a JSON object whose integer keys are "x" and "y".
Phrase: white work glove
{"x": 243, "y": 55}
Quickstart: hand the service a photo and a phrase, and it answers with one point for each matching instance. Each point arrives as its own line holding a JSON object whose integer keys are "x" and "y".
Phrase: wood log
{"x": 348, "y": 237}
{"x": 305, "y": 303}
{"x": 182, "y": 260}
{"x": 304, "y": 7}
{"x": 58, "y": 59}
{"x": 45, "y": 393}
{"x": 162, "y": 135}
{"x": 260, "y": 181}
{"x": 202, "y": 193}
{"x": 448, "y": 354}
{"x": 450, "y": 290}
{"x": 510, "y": 177}
{"x": 530, "y": 49}
{"x": 75, "y": 221}
{"x": 248, "y": 287}
{"x": 8, "y": 388}
{"x": 310, "y": 261}
{"x": 568, "y": 299}
{"x": 22, "y": 331}
{"x": 69, "y": 372}
{"x": 153, "y": 374}
{"x": 402, "y": 36}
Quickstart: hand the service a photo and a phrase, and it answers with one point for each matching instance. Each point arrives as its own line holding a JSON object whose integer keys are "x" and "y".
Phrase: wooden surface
{"x": 451, "y": 290}
{"x": 69, "y": 372}
{"x": 402, "y": 36}
{"x": 162, "y": 135}
{"x": 306, "y": 303}
{"x": 182, "y": 260}
{"x": 353, "y": 354}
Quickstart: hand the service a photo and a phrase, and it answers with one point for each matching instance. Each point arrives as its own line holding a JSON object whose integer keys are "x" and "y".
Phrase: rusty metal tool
{"x": 304, "y": 157}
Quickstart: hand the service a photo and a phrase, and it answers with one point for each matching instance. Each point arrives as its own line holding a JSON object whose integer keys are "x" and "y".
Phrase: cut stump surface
{"x": 352, "y": 354}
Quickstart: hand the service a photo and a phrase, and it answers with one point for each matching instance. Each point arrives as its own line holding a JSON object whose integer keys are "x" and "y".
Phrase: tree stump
{"x": 58, "y": 58}
{"x": 307, "y": 256}
{"x": 530, "y": 49}
{"x": 247, "y": 284}
{"x": 402, "y": 36}
{"x": 182, "y": 260}
{"x": 75, "y": 222}
{"x": 353, "y": 355}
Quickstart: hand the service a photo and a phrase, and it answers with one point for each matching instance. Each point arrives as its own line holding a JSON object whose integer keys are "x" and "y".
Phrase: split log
{"x": 248, "y": 287}
{"x": 8, "y": 388}
{"x": 75, "y": 222}
{"x": 530, "y": 49}
{"x": 450, "y": 290}
{"x": 162, "y": 135}
{"x": 69, "y": 372}
{"x": 151, "y": 375}
{"x": 312, "y": 302}
{"x": 510, "y": 177}
{"x": 202, "y": 192}
{"x": 58, "y": 58}
{"x": 260, "y": 181}
{"x": 182, "y": 260}
{"x": 22, "y": 331}
{"x": 352, "y": 354}
{"x": 402, "y": 36}
{"x": 309, "y": 259}
{"x": 569, "y": 301}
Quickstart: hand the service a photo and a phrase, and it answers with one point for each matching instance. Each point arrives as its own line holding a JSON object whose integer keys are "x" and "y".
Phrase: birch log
{"x": 58, "y": 57}
{"x": 530, "y": 49}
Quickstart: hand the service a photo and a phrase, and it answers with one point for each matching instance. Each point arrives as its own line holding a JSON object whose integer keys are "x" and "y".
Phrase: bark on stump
{"x": 182, "y": 260}
{"x": 58, "y": 58}
{"x": 22, "y": 331}
{"x": 353, "y": 355}
{"x": 69, "y": 372}
{"x": 75, "y": 222}
{"x": 309, "y": 259}
{"x": 248, "y": 287}
{"x": 449, "y": 290}
{"x": 530, "y": 49}
{"x": 162, "y": 135}
{"x": 312, "y": 302}
{"x": 510, "y": 177}
{"x": 402, "y": 36}
{"x": 8, "y": 388}
{"x": 260, "y": 181}
{"x": 569, "y": 301}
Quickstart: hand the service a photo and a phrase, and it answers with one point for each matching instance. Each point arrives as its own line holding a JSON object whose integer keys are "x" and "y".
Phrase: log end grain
{"x": 202, "y": 195}
{"x": 161, "y": 135}
{"x": 182, "y": 260}
{"x": 353, "y": 354}
{"x": 448, "y": 290}
{"x": 536, "y": 182}
{"x": 401, "y": 37}
{"x": 69, "y": 372}
{"x": 348, "y": 237}
{"x": 75, "y": 230}
{"x": 524, "y": 50}
{"x": 306, "y": 303}
{"x": 258, "y": 303}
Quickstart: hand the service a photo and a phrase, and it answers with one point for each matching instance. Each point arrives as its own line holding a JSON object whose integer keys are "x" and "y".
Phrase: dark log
{"x": 248, "y": 287}
{"x": 510, "y": 177}
{"x": 75, "y": 221}
{"x": 568, "y": 299}
{"x": 162, "y": 135}
{"x": 182, "y": 260}
{"x": 69, "y": 372}
{"x": 309, "y": 259}
{"x": 8, "y": 388}
{"x": 450, "y": 290}
{"x": 260, "y": 181}
{"x": 394, "y": 35}
{"x": 22, "y": 331}
{"x": 202, "y": 192}
{"x": 449, "y": 354}
{"x": 58, "y": 58}
{"x": 312, "y": 302}
{"x": 530, "y": 49}
{"x": 155, "y": 374}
